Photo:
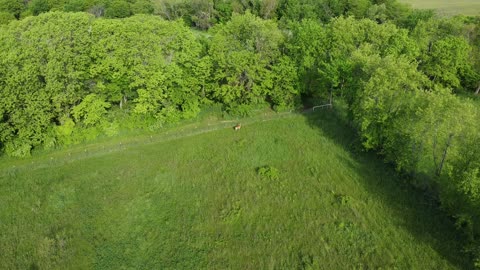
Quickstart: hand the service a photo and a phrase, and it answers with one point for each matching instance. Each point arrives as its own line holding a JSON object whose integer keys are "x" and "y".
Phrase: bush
{"x": 91, "y": 110}
{"x": 110, "y": 128}
{"x": 18, "y": 149}
{"x": 242, "y": 110}
{"x": 64, "y": 132}
{"x": 343, "y": 199}
{"x": 269, "y": 173}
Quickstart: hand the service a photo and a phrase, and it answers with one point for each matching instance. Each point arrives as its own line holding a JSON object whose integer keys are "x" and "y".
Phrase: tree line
{"x": 18, "y": 9}
{"x": 404, "y": 74}
{"x": 204, "y": 14}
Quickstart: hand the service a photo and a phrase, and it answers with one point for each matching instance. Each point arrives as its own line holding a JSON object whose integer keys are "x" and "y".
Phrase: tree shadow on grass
{"x": 427, "y": 223}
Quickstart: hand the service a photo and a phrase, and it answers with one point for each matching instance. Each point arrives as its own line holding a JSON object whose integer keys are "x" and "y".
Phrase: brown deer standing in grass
{"x": 237, "y": 127}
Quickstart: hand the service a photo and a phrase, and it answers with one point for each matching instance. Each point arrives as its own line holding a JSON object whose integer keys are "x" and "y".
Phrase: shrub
{"x": 269, "y": 173}
{"x": 242, "y": 110}
{"x": 91, "y": 110}
{"x": 18, "y": 148}
{"x": 343, "y": 199}
{"x": 64, "y": 132}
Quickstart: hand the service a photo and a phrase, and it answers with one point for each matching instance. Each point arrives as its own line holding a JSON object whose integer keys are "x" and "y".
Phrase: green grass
{"x": 448, "y": 7}
{"x": 191, "y": 199}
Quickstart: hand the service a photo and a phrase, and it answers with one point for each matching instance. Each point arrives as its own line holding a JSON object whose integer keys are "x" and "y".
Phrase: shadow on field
{"x": 420, "y": 214}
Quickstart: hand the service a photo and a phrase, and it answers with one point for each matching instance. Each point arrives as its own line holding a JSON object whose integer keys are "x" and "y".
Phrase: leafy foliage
{"x": 62, "y": 63}
{"x": 67, "y": 77}
{"x": 246, "y": 58}
{"x": 118, "y": 9}
{"x": 91, "y": 110}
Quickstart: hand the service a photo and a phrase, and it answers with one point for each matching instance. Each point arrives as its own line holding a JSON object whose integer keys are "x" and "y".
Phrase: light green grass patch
{"x": 448, "y": 7}
{"x": 203, "y": 201}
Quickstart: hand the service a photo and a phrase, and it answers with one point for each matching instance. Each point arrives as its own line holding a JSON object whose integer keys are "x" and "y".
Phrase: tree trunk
{"x": 478, "y": 90}
{"x": 123, "y": 101}
{"x": 439, "y": 170}
{"x": 434, "y": 150}
{"x": 331, "y": 98}
{"x": 417, "y": 149}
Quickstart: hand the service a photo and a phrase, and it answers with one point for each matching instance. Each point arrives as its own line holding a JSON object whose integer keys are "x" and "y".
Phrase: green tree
{"x": 91, "y": 110}
{"x": 13, "y": 7}
{"x": 39, "y": 6}
{"x": 223, "y": 10}
{"x": 243, "y": 53}
{"x": 446, "y": 56}
{"x": 118, "y": 9}
{"x": 446, "y": 59}
{"x": 44, "y": 64}
{"x": 297, "y": 10}
{"x": 268, "y": 8}
{"x": 6, "y": 17}
{"x": 346, "y": 36}
{"x": 171, "y": 9}
{"x": 308, "y": 45}
{"x": 415, "y": 17}
{"x": 142, "y": 7}
{"x": 203, "y": 13}
{"x": 149, "y": 61}
{"x": 285, "y": 93}
{"x": 386, "y": 105}
{"x": 75, "y": 6}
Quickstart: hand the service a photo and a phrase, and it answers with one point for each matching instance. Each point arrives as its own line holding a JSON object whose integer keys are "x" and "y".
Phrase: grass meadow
{"x": 193, "y": 198}
{"x": 448, "y": 7}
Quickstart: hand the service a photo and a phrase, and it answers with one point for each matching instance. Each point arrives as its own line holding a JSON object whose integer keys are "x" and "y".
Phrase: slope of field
{"x": 448, "y": 7}
{"x": 198, "y": 202}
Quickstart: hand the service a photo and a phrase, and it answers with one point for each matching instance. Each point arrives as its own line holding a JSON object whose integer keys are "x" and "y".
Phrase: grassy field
{"x": 448, "y": 7}
{"x": 197, "y": 201}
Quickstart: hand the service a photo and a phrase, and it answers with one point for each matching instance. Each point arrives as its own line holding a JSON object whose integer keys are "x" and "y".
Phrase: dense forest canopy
{"x": 204, "y": 14}
{"x": 71, "y": 70}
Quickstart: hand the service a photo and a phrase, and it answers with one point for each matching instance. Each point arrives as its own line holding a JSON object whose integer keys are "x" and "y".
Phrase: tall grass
{"x": 209, "y": 200}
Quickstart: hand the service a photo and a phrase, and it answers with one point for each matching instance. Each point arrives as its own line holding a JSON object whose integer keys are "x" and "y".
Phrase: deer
{"x": 237, "y": 127}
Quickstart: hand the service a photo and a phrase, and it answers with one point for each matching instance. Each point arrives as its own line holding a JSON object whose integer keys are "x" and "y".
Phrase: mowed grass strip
{"x": 198, "y": 202}
{"x": 448, "y": 7}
